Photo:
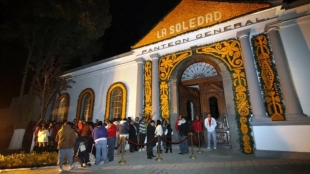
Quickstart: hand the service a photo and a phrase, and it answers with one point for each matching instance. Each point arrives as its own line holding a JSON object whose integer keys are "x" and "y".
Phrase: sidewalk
{"x": 213, "y": 161}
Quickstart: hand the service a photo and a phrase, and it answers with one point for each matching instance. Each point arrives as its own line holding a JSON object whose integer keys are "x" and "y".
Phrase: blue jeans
{"x": 184, "y": 145}
{"x": 180, "y": 138}
{"x": 101, "y": 148}
{"x": 111, "y": 143}
{"x": 62, "y": 153}
{"x": 213, "y": 134}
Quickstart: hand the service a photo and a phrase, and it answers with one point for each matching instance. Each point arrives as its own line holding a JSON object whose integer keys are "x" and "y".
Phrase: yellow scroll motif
{"x": 169, "y": 62}
{"x": 272, "y": 97}
{"x": 229, "y": 52}
{"x": 164, "y": 100}
{"x": 148, "y": 89}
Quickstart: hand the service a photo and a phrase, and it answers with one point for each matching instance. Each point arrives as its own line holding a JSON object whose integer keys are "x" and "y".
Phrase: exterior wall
{"x": 99, "y": 78}
{"x": 295, "y": 36}
{"x": 282, "y": 138}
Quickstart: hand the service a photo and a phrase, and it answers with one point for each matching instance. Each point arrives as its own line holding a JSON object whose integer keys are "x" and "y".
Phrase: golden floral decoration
{"x": 228, "y": 52}
{"x": 266, "y": 67}
{"x": 148, "y": 89}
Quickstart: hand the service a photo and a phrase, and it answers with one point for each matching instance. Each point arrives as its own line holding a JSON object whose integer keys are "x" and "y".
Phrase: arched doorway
{"x": 201, "y": 92}
{"x": 227, "y": 55}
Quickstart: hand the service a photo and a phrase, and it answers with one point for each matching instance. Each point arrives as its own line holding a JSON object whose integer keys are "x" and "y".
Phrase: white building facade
{"x": 259, "y": 52}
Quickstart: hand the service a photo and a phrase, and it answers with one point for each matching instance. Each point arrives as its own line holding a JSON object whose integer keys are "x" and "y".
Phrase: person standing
{"x": 111, "y": 140}
{"x": 132, "y": 137}
{"x": 183, "y": 132}
{"x": 100, "y": 134}
{"x": 164, "y": 126}
{"x": 137, "y": 121}
{"x": 176, "y": 126}
{"x": 66, "y": 138}
{"x": 142, "y": 133}
{"x": 168, "y": 135}
{"x": 150, "y": 133}
{"x": 159, "y": 132}
{"x": 197, "y": 124}
{"x": 210, "y": 124}
{"x": 43, "y": 135}
{"x": 52, "y": 129}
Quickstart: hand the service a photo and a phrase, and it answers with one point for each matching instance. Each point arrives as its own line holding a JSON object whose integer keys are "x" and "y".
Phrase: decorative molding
{"x": 92, "y": 100}
{"x": 124, "y": 99}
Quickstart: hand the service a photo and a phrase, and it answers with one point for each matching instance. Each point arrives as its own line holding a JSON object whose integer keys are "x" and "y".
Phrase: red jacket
{"x": 112, "y": 131}
{"x": 197, "y": 124}
{"x": 176, "y": 126}
{"x": 54, "y": 131}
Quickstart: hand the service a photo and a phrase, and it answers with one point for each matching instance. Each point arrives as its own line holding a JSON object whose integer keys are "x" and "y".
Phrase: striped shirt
{"x": 142, "y": 128}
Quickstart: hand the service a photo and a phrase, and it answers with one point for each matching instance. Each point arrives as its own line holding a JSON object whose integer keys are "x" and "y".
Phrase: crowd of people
{"x": 99, "y": 139}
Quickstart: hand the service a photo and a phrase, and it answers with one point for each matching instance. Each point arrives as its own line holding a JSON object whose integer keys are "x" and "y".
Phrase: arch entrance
{"x": 226, "y": 54}
{"x": 201, "y": 92}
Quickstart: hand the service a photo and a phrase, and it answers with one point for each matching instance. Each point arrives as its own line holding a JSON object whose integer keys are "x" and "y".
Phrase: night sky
{"x": 131, "y": 20}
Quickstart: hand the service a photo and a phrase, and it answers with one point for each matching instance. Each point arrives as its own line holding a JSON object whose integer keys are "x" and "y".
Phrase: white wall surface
{"x": 292, "y": 138}
{"x": 296, "y": 40}
{"x": 100, "y": 78}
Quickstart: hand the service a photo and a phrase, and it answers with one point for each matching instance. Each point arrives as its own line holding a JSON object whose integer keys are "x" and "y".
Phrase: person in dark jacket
{"x": 100, "y": 135}
{"x": 81, "y": 152}
{"x": 168, "y": 134}
{"x": 183, "y": 131}
{"x": 150, "y": 133}
{"x": 132, "y": 137}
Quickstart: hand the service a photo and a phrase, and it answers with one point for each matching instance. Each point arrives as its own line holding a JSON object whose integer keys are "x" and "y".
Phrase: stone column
{"x": 256, "y": 98}
{"x": 139, "y": 95}
{"x": 155, "y": 87}
{"x": 174, "y": 104}
{"x": 292, "y": 104}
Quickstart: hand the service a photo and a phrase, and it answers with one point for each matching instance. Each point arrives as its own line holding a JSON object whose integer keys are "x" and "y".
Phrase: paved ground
{"x": 220, "y": 161}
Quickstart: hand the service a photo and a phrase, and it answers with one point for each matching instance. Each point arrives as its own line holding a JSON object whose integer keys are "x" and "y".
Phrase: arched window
{"x": 85, "y": 105}
{"x": 116, "y": 101}
{"x": 61, "y": 109}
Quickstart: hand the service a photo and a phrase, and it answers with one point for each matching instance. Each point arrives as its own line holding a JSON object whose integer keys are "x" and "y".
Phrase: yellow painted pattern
{"x": 267, "y": 74}
{"x": 148, "y": 89}
{"x": 228, "y": 52}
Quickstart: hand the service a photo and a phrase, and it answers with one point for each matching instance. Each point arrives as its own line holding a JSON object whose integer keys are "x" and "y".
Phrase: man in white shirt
{"x": 210, "y": 125}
